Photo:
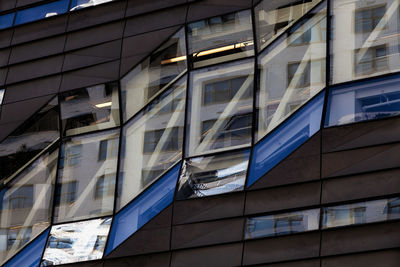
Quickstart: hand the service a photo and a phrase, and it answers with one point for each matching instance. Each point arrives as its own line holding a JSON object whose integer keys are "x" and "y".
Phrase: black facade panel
{"x": 361, "y": 238}
{"x": 4, "y": 54}
{"x": 7, "y": 4}
{"x": 210, "y": 208}
{"x": 5, "y": 37}
{"x": 360, "y": 135}
{"x": 292, "y": 169}
{"x": 222, "y": 255}
{"x": 368, "y": 185}
{"x": 283, "y": 248}
{"x": 301, "y": 263}
{"x": 387, "y": 258}
{"x": 149, "y": 260}
{"x": 361, "y": 160}
{"x": 287, "y": 197}
{"x": 210, "y": 8}
{"x": 136, "y": 7}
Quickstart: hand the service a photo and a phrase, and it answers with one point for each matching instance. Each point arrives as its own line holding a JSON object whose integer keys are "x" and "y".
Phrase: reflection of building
{"x": 200, "y": 133}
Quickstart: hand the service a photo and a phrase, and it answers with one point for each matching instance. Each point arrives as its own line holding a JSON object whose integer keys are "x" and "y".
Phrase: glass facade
{"x": 211, "y": 111}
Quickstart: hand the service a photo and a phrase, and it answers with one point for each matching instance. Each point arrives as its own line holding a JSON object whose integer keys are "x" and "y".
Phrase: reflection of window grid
{"x": 108, "y": 149}
{"x": 13, "y": 236}
{"x": 304, "y": 78}
{"x": 366, "y": 19}
{"x": 393, "y": 208}
{"x": 370, "y": 60}
{"x": 60, "y": 242}
{"x": 100, "y": 242}
{"x": 73, "y": 154}
{"x": 288, "y": 225}
{"x": 105, "y": 186}
{"x": 66, "y": 192}
{"x": 22, "y": 197}
{"x": 299, "y": 35}
{"x": 224, "y": 91}
{"x": 338, "y": 216}
{"x": 172, "y": 143}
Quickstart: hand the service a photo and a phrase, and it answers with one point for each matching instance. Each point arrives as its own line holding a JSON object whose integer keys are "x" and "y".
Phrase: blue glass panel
{"x": 143, "y": 209}
{"x": 286, "y": 138}
{"x": 79, "y": 4}
{"x": 30, "y": 256}
{"x": 6, "y": 20}
{"x": 368, "y": 100}
{"x": 40, "y": 12}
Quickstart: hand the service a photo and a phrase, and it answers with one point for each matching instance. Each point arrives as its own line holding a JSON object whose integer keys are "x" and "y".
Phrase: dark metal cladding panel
{"x": 149, "y": 260}
{"x": 386, "y": 258}
{"x": 136, "y": 7}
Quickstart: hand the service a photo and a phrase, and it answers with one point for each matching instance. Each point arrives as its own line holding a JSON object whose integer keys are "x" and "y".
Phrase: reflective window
{"x": 6, "y": 21}
{"x": 41, "y": 12}
{"x": 80, "y": 195}
{"x": 286, "y": 138}
{"x": 2, "y": 91}
{"x": 34, "y": 135}
{"x": 26, "y": 204}
{"x": 154, "y": 74}
{"x": 292, "y": 71}
{"x": 212, "y": 175}
{"x": 76, "y": 242}
{"x": 373, "y": 99}
{"x": 152, "y": 141}
{"x": 221, "y": 38}
{"x": 89, "y": 109}
{"x": 282, "y": 224}
{"x": 141, "y": 210}
{"x": 370, "y": 46}
{"x": 274, "y": 17}
{"x": 79, "y": 4}
{"x": 220, "y": 108}
{"x": 362, "y": 212}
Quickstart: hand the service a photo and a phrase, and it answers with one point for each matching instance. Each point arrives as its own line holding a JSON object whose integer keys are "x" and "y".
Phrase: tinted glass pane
{"x": 86, "y": 182}
{"x": 152, "y": 142}
{"x": 79, "y": 4}
{"x": 40, "y": 12}
{"x": 373, "y": 99}
{"x": 281, "y": 224}
{"x": 31, "y": 254}
{"x": 2, "y": 91}
{"x": 274, "y": 17}
{"x": 89, "y": 109}
{"x": 221, "y": 38}
{"x": 26, "y": 203}
{"x": 371, "y": 47}
{"x": 6, "y": 20}
{"x": 75, "y": 242}
{"x": 286, "y": 138}
{"x": 212, "y": 175}
{"x": 22, "y": 145}
{"x": 292, "y": 71}
{"x": 220, "y": 108}
{"x": 362, "y": 212}
{"x": 137, "y": 213}
{"x": 154, "y": 74}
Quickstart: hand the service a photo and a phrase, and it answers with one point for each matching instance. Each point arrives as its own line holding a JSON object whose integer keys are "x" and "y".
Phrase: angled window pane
{"x": 365, "y": 39}
{"x": 89, "y": 109}
{"x": 41, "y": 12}
{"x": 141, "y": 210}
{"x": 2, "y": 91}
{"x": 152, "y": 142}
{"x": 76, "y": 242}
{"x": 282, "y": 224}
{"x": 220, "y": 108}
{"x": 286, "y": 138}
{"x": 274, "y": 17}
{"x": 88, "y": 167}
{"x": 368, "y": 100}
{"x": 153, "y": 75}
{"x": 26, "y": 203}
{"x": 361, "y": 212}
{"x": 221, "y": 38}
{"x": 31, "y": 254}
{"x": 79, "y": 4}
{"x": 292, "y": 71}
{"x": 6, "y": 21}
{"x": 213, "y": 175}
{"x": 34, "y": 135}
